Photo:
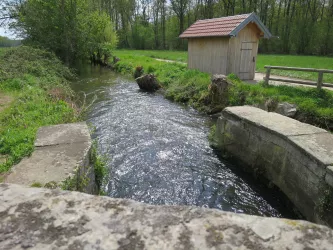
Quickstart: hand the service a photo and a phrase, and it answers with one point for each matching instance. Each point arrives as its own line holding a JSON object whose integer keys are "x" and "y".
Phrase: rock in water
{"x": 148, "y": 82}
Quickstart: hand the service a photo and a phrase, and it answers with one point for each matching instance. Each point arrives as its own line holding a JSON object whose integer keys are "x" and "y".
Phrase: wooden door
{"x": 247, "y": 60}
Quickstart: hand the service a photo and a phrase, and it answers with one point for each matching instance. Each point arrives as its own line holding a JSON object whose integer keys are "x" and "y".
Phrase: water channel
{"x": 158, "y": 151}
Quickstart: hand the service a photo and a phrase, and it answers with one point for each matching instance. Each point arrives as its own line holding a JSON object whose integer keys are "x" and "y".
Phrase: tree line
{"x": 299, "y": 26}
{"x": 76, "y": 28}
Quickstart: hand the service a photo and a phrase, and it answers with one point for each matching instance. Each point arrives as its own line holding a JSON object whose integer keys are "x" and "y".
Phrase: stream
{"x": 158, "y": 151}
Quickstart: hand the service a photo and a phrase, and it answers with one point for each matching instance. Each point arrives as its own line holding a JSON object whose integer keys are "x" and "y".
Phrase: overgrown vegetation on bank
{"x": 192, "y": 87}
{"x": 38, "y": 83}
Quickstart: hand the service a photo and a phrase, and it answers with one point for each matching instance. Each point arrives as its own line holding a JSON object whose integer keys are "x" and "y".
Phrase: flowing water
{"x": 158, "y": 151}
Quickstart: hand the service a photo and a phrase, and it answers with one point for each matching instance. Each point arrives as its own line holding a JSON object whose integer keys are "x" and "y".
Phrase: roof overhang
{"x": 255, "y": 19}
{"x": 252, "y": 18}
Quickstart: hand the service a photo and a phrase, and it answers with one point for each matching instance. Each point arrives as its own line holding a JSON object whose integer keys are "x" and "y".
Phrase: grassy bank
{"x": 192, "y": 87}
{"x": 181, "y": 84}
{"x": 274, "y": 60}
{"x": 36, "y": 82}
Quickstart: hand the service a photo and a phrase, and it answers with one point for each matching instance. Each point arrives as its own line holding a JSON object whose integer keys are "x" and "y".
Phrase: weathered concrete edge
{"x": 53, "y": 219}
{"x": 77, "y": 173}
{"x": 58, "y": 134}
{"x": 228, "y": 114}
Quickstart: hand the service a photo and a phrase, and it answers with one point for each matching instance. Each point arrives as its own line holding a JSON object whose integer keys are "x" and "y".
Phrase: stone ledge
{"x": 271, "y": 121}
{"x": 62, "y": 134}
{"x": 316, "y": 142}
{"x": 61, "y": 151}
{"x": 292, "y": 155}
{"x": 52, "y": 219}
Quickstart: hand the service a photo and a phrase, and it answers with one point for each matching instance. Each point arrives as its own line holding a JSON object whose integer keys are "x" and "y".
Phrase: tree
{"x": 70, "y": 28}
{"x": 180, "y": 7}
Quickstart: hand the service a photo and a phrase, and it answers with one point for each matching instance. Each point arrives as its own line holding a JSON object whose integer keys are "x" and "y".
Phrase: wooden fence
{"x": 319, "y": 82}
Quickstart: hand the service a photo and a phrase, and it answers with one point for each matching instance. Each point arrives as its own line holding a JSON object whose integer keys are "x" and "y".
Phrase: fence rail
{"x": 319, "y": 83}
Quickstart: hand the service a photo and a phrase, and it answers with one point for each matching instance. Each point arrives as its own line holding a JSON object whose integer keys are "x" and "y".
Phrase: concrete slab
{"x": 52, "y": 163}
{"x": 60, "y": 150}
{"x": 319, "y": 146}
{"x": 62, "y": 134}
{"x": 38, "y": 218}
{"x": 272, "y": 121}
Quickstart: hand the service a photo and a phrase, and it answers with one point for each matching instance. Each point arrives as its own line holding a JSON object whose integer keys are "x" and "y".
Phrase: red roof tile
{"x": 214, "y": 27}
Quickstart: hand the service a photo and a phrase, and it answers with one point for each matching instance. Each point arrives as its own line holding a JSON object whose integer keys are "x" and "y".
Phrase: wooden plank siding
{"x": 226, "y": 55}
{"x": 208, "y": 54}
{"x": 247, "y": 37}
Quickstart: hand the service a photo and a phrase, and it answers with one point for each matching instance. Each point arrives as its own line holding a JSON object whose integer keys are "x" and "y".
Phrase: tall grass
{"x": 37, "y": 81}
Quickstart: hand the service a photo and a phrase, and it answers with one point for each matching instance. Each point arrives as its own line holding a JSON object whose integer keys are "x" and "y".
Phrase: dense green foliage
{"x": 71, "y": 29}
{"x": 300, "y": 27}
{"x": 37, "y": 81}
{"x": 192, "y": 87}
{"x": 303, "y": 27}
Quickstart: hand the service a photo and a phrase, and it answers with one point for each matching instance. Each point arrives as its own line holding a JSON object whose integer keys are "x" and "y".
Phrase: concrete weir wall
{"x": 36, "y": 218}
{"x": 61, "y": 152}
{"x": 296, "y": 157}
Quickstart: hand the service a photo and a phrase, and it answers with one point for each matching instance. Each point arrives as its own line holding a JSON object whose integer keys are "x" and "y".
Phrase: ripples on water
{"x": 159, "y": 153}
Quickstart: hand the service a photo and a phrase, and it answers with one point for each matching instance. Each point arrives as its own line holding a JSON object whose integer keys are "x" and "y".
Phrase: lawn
{"x": 274, "y": 60}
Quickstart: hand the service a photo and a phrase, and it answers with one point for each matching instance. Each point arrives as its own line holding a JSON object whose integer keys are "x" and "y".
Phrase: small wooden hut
{"x": 226, "y": 45}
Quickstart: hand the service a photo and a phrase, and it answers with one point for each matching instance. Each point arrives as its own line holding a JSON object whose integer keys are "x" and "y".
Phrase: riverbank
{"x": 36, "y": 82}
{"x": 192, "y": 87}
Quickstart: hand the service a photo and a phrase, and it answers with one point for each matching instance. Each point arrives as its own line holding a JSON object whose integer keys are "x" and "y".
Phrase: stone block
{"x": 51, "y": 163}
{"x": 44, "y": 219}
{"x": 61, "y": 151}
{"x": 273, "y": 122}
{"x": 318, "y": 146}
{"x": 292, "y": 155}
{"x": 62, "y": 134}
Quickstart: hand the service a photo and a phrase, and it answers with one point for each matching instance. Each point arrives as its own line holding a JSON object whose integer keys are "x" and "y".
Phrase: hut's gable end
{"x": 243, "y": 51}
{"x": 209, "y": 54}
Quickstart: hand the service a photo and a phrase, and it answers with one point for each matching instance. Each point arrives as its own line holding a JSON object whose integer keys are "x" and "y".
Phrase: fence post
{"x": 320, "y": 80}
{"x": 268, "y": 73}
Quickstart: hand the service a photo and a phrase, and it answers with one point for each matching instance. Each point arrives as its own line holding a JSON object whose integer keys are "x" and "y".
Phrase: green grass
{"x": 179, "y": 56}
{"x": 273, "y": 60}
{"x": 181, "y": 84}
{"x": 297, "y": 61}
{"x": 192, "y": 87}
{"x": 315, "y": 106}
{"x": 37, "y": 81}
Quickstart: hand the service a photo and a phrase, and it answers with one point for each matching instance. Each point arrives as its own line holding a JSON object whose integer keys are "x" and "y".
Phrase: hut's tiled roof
{"x": 224, "y": 26}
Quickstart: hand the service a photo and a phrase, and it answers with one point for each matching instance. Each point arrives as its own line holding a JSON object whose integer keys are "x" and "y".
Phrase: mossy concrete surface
{"x": 61, "y": 151}
{"x": 37, "y": 218}
{"x": 295, "y": 156}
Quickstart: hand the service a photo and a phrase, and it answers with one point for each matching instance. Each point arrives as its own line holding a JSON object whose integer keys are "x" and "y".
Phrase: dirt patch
{"x": 5, "y": 100}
